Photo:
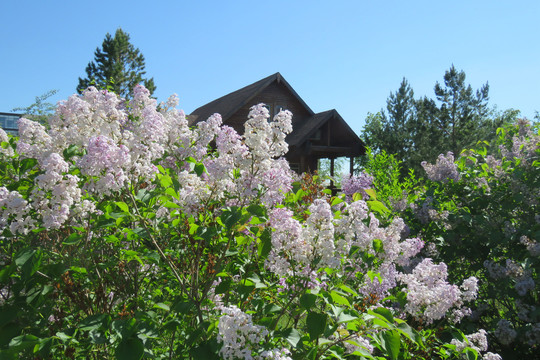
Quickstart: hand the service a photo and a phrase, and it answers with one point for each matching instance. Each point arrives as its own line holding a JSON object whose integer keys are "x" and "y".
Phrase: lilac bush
{"x": 480, "y": 213}
{"x": 129, "y": 235}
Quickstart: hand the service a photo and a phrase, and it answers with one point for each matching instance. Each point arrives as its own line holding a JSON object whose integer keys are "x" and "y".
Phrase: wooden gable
{"x": 314, "y": 136}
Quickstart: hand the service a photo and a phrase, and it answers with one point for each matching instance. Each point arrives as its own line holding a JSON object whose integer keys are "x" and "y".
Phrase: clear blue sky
{"x": 347, "y": 55}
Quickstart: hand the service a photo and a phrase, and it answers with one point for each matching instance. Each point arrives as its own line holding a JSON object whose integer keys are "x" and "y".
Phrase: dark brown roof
{"x": 309, "y": 127}
{"x": 227, "y": 105}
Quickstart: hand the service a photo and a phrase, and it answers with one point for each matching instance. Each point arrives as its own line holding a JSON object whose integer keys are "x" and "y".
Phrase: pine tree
{"x": 414, "y": 130}
{"x": 117, "y": 66}
{"x": 462, "y": 115}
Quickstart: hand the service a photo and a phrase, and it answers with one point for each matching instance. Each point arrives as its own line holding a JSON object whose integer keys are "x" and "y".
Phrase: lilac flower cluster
{"x": 121, "y": 143}
{"x": 107, "y": 163}
{"x": 477, "y": 341}
{"x": 351, "y": 184}
{"x": 238, "y": 335}
{"x": 14, "y": 211}
{"x": 444, "y": 169}
{"x": 5, "y": 151}
{"x": 430, "y": 296}
{"x": 56, "y": 192}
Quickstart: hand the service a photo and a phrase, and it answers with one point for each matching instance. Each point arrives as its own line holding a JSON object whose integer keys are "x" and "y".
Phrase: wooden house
{"x": 315, "y": 135}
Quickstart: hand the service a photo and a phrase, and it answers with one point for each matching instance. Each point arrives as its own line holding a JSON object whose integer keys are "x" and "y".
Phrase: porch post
{"x": 332, "y": 172}
{"x": 351, "y": 166}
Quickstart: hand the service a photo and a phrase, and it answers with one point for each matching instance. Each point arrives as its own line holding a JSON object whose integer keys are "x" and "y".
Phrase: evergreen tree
{"x": 414, "y": 130}
{"x": 391, "y": 128}
{"x": 117, "y": 66}
{"x": 462, "y": 115}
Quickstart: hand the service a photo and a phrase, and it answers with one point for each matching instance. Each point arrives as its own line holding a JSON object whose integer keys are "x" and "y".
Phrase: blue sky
{"x": 347, "y": 55}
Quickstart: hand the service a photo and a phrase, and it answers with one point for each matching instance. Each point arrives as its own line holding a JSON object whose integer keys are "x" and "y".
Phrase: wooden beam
{"x": 332, "y": 149}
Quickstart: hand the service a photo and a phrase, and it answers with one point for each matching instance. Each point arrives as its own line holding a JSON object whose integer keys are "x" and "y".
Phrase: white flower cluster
{"x": 290, "y": 250}
{"x": 56, "y": 192}
{"x": 430, "y": 296}
{"x": 477, "y": 341}
{"x": 34, "y": 141}
{"x": 239, "y": 336}
{"x": 122, "y": 141}
{"x": 7, "y": 151}
{"x": 357, "y": 343}
{"x": 107, "y": 163}
{"x": 444, "y": 169}
{"x": 532, "y": 246}
{"x": 14, "y": 212}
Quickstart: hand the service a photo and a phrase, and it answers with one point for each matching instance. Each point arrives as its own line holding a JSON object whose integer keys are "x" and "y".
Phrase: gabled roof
{"x": 229, "y": 104}
{"x": 308, "y": 128}
{"x": 314, "y": 123}
{"x": 303, "y": 129}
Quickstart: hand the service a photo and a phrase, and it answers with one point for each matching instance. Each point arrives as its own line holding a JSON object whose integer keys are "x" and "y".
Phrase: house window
{"x": 8, "y": 122}
{"x": 278, "y": 107}
{"x": 275, "y": 108}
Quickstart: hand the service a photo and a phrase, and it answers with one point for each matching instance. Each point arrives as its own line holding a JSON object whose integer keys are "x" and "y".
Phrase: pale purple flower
{"x": 505, "y": 332}
{"x": 444, "y": 169}
{"x": 351, "y": 184}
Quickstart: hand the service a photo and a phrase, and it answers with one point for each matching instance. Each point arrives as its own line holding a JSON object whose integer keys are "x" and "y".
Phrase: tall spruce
{"x": 117, "y": 66}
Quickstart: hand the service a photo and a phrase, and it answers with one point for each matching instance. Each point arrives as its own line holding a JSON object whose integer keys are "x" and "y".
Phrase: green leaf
{"x": 387, "y": 314}
{"x": 348, "y": 289}
{"x": 94, "y": 322}
{"x": 130, "y": 349}
{"x": 171, "y": 205}
{"x": 377, "y": 246}
{"x": 170, "y": 191}
{"x": 257, "y": 210}
{"x": 372, "y": 275}
{"x": 391, "y": 343}
{"x": 183, "y": 307}
{"x": 204, "y": 351}
{"x": 23, "y": 342}
{"x": 265, "y": 245}
{"x": 257, "y": 281}
{"x": 372, "y": 194}
{"x": 73, "y": 239}
{"x": 165, "y": 181}
{"x": 223, "y": 286}
{"x": 292, "y": 336}
{"x": 346, "y": 317}
{"x": 6, "y": 272}
{"x": 231, "y": 216}
{"x": 199, "y": 169}
{"x": 307, "y": 301}
{"x": 144, "y": 196}
{"x": 162, "y": 306}
{"x": 378, "y": 207}
{"x": 29, "y": 260}
{"x": 26, "y": 165}
{"x": 408, "y": 331}
{"x": 339, "y": 299}
{"x": 123, "y": 206}
{"x": 316, "y": 324}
